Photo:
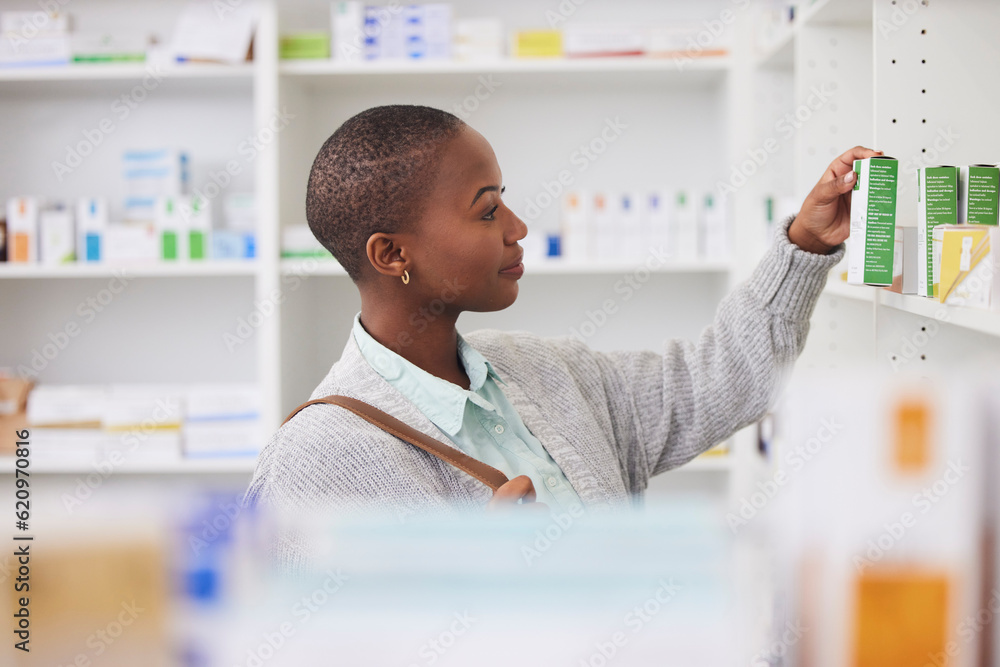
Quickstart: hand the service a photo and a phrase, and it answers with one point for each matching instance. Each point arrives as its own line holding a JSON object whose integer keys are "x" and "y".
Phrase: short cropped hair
{"x": 371, "y": 176}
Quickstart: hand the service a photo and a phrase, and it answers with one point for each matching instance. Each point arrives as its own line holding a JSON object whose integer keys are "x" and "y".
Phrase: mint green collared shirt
{"x": 480, "y": 421}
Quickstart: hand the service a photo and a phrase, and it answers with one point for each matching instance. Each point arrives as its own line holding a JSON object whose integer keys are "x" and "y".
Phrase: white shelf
{"x": 325, "y": 267}
{"x": 123, "y": 71}
{"x": 838, "y": 288}
{"x": 241, "y": 465}
{"x": 837, "y": 12}
{"x": 973, "y": 319}
{"x": 633, "y": 64}
{"x": 154, "y": 270}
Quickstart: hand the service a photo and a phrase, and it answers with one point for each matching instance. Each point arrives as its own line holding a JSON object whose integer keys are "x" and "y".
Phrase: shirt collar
{"x": 441, "y": 401}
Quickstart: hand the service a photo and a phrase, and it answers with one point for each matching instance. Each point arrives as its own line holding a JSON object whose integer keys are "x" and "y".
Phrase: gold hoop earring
{"x": 406, "y": 277}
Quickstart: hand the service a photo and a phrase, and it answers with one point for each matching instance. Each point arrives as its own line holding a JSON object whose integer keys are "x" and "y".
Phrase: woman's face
{"x": 464, "y": 251}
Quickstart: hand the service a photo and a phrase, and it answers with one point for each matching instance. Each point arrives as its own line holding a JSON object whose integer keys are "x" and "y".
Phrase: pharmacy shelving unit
{"x": 683, "y": 124}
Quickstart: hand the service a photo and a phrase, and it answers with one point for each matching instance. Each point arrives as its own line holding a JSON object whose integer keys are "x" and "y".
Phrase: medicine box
{"x": 979, "y": 194}
{"x": 873, "y": 221}
{"x": 536, "y": 44}
{"x": 22, "y": 229}
{"x": 197, "y": 214}
{"x": 575, "y": 226}
{"x": 937, "y": 204}
{"x": 150, "y": 174}
{"x": 966, "y": 268}
{"x": 131, "y": 242}
{"x": 892, "y": 567}
{"x": 686, "y": 227}
{"x": 656, "y": 225}
{"x": 347, "y": 24}
{"x": 601, "y": 40}
{"x": 171, "y": 228}
{"x": 714, "y": 228}
{"x": 56, "y": 235}
{"x": 479, "y": 39}
{"x": 91, "y": 222}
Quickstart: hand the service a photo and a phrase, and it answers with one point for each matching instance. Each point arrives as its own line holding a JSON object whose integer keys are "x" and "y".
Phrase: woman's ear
{"x": 386, "y": 255}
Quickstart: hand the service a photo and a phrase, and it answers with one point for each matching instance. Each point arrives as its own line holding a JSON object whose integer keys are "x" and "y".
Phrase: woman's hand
{"x": 824, "y": 221}
{"x": 508, "y": 495}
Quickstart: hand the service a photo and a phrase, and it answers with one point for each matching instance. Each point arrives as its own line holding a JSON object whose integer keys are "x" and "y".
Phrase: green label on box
{"x": 984, "y": 192}
{"x": 880, "y": 232}
{"x": 940, "y": 188}
{"x": 169, "y": 245}
{"x": 197, "y": 245}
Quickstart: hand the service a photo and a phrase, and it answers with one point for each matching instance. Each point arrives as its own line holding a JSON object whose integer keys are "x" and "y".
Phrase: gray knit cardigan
{"x": 609, "y": 420}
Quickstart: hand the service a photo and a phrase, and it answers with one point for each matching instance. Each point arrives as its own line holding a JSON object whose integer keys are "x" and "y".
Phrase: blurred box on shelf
{"x": 229, "y": 244}
{"x": 427, "y": 31}
{"x": 222, "y": 420}
{"x": 69, "y": 447}
{"x": 149, "y": 174}
{"x": 890, "y": 569}
{"x": 98, "y": 47}
{"x": 67, "y": 406}
{"x": 937, "y": 204}
{"x": 22, "y": 230}
{"x": 685, "y": 218}
{"x": 874, "y": 201}
{"x": 239, "y": 210}
{"x": 684, "y": 40}
{"x": 536, "y": 44}
{"x": 479, "y": 39}
{"x": 14, "y": 393}
{"x": 656, "y": 225}
{"x": 135, "y": 242}
{"x": 347, "y": 31}
{"x": 91, "y": 225}
{"x": 304, "y": 46}
{"x": 714, "y": 225}
{"x": 149, "y": 407}
{"x": 34, "y": 38}
{"x": 583, "y": 40}
{"x": 966, "y": 269}
{"x": 904, "y": 261}
{"x": 56, "y": 235}
{"x": 201, "y": 34}
{"x": 575, "y": 223}
{"x": 197, "y": 214}
{"x": 979, "y": 194}
{"x": 297, "y": 241}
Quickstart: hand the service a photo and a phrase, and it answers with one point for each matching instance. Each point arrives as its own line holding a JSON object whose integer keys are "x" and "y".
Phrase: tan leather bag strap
{"x": 488, "y": 475}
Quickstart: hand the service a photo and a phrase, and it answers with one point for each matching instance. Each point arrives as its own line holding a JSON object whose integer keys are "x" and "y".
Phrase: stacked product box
{"x": 979, "y": 194}
{"x": 937, "y": 204}
{"x": 222, "y": 420}
{"x": 871, "y": 244}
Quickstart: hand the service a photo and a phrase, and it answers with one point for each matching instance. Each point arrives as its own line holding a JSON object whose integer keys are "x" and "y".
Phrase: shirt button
{"x": 498, "y": 428}
{"x": 552, "y": 482}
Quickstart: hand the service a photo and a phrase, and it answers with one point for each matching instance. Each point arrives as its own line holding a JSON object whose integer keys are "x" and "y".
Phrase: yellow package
{"x": 967, "y": 268}
{"x": 537, "y": 44}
